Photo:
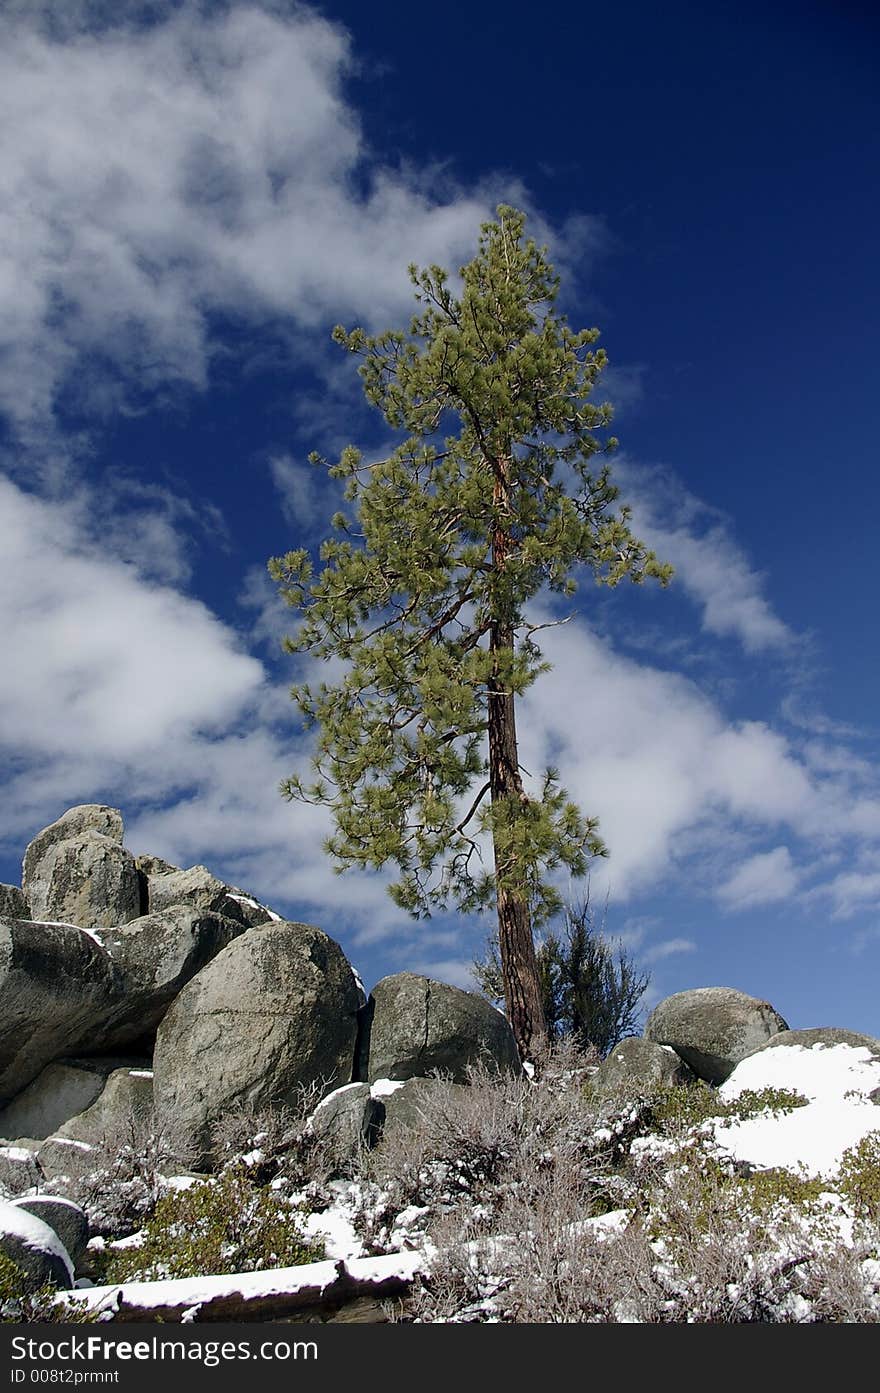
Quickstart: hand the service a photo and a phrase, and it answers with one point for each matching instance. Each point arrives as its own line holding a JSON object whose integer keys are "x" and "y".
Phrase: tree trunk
{"x": 516, "y": 946}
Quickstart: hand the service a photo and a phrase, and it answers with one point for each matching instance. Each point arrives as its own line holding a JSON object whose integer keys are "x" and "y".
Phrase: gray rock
{"x": 89, "y": 880}
{"x": 713, "y": 1028}
{"x": 153, "y": 958}
{"x": 59, "y": 1092}
{"x": 275, "y": 1011}
{"x": 824, "y": 1035}
{"x": 64, "y": 1217}
{"x": 252, "y": 911}
{"x": 419, "y": 1025}
{"x": 121, "y": 1116}
{"x": 636, "y": 1064}
{"x": 34, "y": 1247}
{"x": 55, "y": 982}
{"x": 196, "y": 887}
{"x": 348, "y": 1120}
{"x": 154, "y": 865}
{"x": 406, "y": 1107}
{"x": 19, "y": 1170}
{"x": 87, "y": 817}
{"x": 13, "y": 904}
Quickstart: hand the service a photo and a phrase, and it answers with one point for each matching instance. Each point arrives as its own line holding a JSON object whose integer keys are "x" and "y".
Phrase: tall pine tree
{"x": 423, "y": 593}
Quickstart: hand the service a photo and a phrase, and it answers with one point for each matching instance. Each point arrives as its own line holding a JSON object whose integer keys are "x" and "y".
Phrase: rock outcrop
{"x": 153, "y": 959}
{"x": 76, "y": 871}
{"x": 56, "y": 981}
{"x": 65, "y": 1218}
{"x": 62, "y": 1090}
{"x": 34, "y": 1247}
{"x": 13, "y": 904}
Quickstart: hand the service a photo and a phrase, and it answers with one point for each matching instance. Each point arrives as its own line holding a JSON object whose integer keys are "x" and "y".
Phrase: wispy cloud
{"x": 669, "y": 948}
{"x": 763, "y": 879}
{"x": 710, "y": 565}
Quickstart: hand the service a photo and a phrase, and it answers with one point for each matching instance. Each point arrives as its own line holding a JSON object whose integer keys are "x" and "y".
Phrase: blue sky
{"x": 195, "y": 194}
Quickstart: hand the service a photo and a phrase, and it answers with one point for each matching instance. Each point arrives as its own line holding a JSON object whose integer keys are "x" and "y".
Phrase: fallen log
{"x": 316, "y": 1291}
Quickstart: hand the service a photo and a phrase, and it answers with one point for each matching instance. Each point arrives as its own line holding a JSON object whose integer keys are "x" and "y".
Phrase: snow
{"x": 193, "y": 1292}
{"x": 62, "y": 924}
{"x": 16, "y": 1153}
{"x": 337, "y": 1093}
{"x": 383, "y": 1088}
{"x": 249, "y": 900}
{"x": 836, "y": 1079}
{"x": 335, "y": 1228}
{"x": 140, "y": 1073}
{"x": 16, "y": 1222}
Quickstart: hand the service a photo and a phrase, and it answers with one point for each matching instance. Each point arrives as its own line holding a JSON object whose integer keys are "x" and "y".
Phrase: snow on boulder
{"x": 196, "y": 887}
{"x": 347, "y": 1120}
{"x": 34, "y": 1247}
{"x": 62, "y": 1216}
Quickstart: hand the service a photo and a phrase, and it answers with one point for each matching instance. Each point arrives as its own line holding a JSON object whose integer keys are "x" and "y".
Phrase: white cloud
{"x": 205, "y": 164}
{"x": 671, "y": 779}
{"x": 709, "y": 564}
{"x": 766, "y": 878}
{"x": 668, "y": 949}
{"x": 97, "y": 660}
{"x": 302, "y": 489}
{"x": 117, "y": 688}
{"x": 458, "y": 972}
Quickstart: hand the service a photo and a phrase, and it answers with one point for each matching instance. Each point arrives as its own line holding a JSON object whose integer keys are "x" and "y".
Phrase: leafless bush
{"x": 843, "y": 1284}
{"x": 705, "y": 1244}
{"x": 279, "y": 1144}
{"x": 474, "y": 1146}
{"x": 119, "y": 1180}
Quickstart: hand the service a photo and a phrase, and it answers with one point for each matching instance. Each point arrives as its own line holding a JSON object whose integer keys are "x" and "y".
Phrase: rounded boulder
{"x": 419, "y": 1026}
{"x": 635, "y": 1064}
{"x": 274, "y": 1012}
{"x": 713, "y": 1028}
{"x": 55, "y": 982}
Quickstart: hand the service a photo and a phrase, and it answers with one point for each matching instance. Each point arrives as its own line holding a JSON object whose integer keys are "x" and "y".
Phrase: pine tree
{"x": 423, "y": 594}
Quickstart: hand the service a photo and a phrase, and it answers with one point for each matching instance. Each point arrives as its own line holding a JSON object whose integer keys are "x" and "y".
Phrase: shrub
{"x": 684, "y": 1107}
{"x": 126, "y": 1176}
{"x": 24, "y": 1301}
{"x": 220, "y": 1225}
{"x": 591, "y": 989}
{"x": 858, "y": 1177}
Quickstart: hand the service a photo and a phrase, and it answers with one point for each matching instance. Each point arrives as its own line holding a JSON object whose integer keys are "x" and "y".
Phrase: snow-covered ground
{"x": 809, "y": 1140}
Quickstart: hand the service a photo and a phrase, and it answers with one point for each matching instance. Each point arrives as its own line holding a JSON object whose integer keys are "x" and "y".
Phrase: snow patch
{"x": 383, "y": 1088}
